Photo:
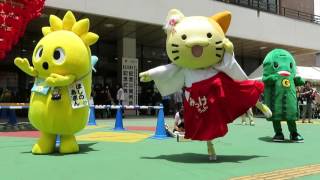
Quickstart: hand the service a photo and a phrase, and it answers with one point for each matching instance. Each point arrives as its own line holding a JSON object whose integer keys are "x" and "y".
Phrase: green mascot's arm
{"x": 55, "y": 80}
{"x": 269, "y": 79}
{"x": 298, "y": 81}
{"x": 24, "y": 65}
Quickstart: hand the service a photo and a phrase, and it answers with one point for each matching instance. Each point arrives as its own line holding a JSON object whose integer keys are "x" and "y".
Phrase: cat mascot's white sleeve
{"x": 168, "y": 78}
{"x": 230, "y": 66}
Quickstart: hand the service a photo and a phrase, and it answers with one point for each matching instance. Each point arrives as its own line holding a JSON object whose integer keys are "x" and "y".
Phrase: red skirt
{"x": 215, "y": 102}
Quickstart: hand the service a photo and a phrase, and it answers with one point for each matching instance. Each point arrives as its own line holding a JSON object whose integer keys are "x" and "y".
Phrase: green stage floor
{"x": 246, "y": 150}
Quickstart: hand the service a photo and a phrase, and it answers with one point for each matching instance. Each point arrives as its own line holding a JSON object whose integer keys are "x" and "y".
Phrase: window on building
{"x": 265, "y": 5}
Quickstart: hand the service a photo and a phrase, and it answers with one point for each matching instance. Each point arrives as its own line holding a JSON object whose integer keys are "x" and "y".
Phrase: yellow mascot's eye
{"x": 58, "y": 55}
{"x": 39, "y": 53}
{"x": 184, "y": 37}
{"x": 209, "y": 35}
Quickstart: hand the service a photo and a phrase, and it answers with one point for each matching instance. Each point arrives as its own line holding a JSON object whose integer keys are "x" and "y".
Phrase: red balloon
{"x": 2, "y": 55}
{"x": 14, "y": 17}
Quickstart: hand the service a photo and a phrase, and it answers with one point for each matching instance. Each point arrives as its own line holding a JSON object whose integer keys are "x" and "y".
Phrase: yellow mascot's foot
{"x": 40, "y": 149}
{"x": 211, "y": 151}
{"x": 264, "y": 109}
{"x": 45, "y": 145}
{"x": 68, "y": 144}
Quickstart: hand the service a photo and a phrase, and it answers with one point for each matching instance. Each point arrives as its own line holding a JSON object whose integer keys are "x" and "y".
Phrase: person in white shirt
{"x": 120, "y": 94}
{"x": 179, "y": 122}
{"x": 178, "y": 127}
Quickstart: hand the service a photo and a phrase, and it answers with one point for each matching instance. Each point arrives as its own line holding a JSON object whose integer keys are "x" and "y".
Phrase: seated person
{"x": 178, "y": 129}
{"x": 179, "y": 122}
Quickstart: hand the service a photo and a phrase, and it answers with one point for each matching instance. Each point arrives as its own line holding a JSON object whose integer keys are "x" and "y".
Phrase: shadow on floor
{"x": 202, "y": 158}
{"x": 269, "y": 139}
{"x": 85, "y": 148}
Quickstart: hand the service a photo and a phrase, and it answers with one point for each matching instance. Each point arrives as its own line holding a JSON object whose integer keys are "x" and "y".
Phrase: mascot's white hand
{"x": 145, "y": 77}
{"x": 228, "y": 46}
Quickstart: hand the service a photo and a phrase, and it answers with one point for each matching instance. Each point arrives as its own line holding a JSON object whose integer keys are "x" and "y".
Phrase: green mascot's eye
{"x": 184, "y": 37}
{"x": 291, "y": 65}
{"x": 58, "y": 55}
{"x": 275, "y": 65}
{"x": 39, "y": 53}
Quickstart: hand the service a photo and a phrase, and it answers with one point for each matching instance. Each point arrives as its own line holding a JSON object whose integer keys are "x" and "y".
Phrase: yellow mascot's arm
{"x": 24, "y": 65}
{"x": 55, "y": 80}
{"x": 145, "y": 77}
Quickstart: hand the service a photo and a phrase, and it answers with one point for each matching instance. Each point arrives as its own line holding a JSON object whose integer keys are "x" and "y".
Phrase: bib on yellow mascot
{"x": 217, "y": 91}
{"x": 59, "y": 103}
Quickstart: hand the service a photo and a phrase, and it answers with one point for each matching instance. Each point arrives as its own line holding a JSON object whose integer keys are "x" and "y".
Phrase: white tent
{"x": 307, "y": 73}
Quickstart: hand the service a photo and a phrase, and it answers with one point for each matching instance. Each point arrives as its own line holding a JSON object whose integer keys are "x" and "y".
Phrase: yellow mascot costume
{"x": 62, "y": 70}
{"x": 216, "y": 88}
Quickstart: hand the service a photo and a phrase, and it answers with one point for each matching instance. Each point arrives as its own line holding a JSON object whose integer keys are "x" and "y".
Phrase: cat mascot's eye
{"x": 184, "y": 37}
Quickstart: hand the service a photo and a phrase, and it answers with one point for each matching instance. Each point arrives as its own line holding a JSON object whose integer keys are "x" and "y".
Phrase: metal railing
{"x": 132, "y": 107}
{"x": 291, "y": 13}
{"x": 261, "y": 5}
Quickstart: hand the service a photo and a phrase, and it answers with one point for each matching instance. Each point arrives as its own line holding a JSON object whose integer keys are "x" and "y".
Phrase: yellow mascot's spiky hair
{"x": 69, "y": 23}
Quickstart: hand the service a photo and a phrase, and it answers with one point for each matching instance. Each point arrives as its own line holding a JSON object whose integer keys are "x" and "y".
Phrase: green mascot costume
{"x": 279, "y": 77}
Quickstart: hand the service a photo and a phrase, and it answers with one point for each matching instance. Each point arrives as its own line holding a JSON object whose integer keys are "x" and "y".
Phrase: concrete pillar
{"x": 316, "y": 6}
{"x": 127, "y": 47}
{"x": 318, "y": 59}
{"x": 128, "y": 69}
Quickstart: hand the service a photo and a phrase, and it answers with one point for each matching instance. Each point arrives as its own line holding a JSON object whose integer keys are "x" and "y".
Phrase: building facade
{"x": 133, "y": 30}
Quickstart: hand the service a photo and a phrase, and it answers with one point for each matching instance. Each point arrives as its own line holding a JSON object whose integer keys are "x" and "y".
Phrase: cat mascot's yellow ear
{"x": 173, "y": 18}
{"x": 223, "y": 19}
